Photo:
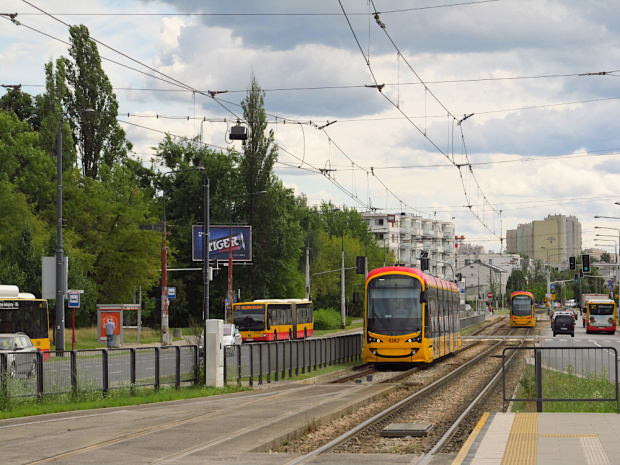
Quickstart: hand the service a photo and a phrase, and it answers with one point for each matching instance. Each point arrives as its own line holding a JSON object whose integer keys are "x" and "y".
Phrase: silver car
{"x": 20, "y": 354}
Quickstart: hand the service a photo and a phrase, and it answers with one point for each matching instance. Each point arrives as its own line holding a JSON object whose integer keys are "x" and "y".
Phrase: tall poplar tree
{"x": 99, "y": 137}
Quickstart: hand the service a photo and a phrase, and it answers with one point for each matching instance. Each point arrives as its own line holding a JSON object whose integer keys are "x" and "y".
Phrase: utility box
{"x": 214, "y": 353}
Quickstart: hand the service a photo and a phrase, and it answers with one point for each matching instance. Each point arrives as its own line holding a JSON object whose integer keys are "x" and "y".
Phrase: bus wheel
{"x": 305, "y": 333}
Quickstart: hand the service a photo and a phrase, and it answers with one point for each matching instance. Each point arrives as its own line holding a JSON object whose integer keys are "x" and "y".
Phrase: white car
{"x": 230, "y": 337}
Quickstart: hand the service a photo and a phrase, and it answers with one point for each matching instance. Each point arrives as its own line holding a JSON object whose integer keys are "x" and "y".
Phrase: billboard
{"x": 219, "y": 238}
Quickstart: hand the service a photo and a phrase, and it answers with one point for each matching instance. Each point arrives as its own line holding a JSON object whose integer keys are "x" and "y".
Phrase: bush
{"x": 328, "y": 318}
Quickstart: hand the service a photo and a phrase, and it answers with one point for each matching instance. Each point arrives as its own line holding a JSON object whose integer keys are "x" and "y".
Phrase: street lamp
{"x": 61, "y": 284}
{"x": 228, "y": 312}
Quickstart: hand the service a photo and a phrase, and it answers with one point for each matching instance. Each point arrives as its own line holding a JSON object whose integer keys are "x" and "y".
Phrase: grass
{"x": 88, "y": 338}
{"x": 567, "y": 385}
{"x": 23, "y": 407}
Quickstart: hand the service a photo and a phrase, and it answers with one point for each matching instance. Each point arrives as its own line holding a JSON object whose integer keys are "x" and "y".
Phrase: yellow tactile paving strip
{"x": 522, "y": 441}
{"x": 462, "y": 455}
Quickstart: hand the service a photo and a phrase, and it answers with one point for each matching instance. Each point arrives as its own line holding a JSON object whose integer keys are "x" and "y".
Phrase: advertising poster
{"x": 115, "y": 317}
{"x": 221, "y": 240}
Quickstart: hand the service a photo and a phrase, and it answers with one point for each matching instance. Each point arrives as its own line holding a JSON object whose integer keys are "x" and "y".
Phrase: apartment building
{"x": 406, "y": 236}
{"x": 551, "y": 240}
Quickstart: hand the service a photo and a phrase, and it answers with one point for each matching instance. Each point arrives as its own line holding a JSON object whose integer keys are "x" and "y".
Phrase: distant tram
{"x": 522, "y": 309}
{"x": 409, "y": 317}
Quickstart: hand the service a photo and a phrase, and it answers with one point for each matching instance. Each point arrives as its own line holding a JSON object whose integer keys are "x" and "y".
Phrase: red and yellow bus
{"x": 522, "y": 309}
{"x": 409, "y": 317}
{"x": 274, "y": 319}
{"x": 600, "y": 316}
{"x": 22, "y": 312}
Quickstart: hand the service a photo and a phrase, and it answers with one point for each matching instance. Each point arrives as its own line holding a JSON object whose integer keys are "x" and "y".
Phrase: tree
{"x": 51, "y": 113}
{"x": 24, "y": 164}
{"x": 605, "y": 257}
{"x": 99, "y": 137}
{"x": 277, "y": 234}
{"x": 22, "y": 105}
{"x": 104, "y": 235}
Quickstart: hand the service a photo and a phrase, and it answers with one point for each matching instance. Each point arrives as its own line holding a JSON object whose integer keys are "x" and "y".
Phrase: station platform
{"x": 543, "y": 439}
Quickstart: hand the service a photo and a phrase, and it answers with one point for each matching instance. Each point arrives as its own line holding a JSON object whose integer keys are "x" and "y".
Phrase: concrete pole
{"x": 342, "y": 306}
{"x": 307, "y": 273}
{"x": 60, "y": 260}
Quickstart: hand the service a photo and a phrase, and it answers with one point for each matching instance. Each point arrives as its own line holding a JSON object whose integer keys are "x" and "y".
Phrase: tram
{"x": 409, "y": 317}
{"x": 522, "y": 310}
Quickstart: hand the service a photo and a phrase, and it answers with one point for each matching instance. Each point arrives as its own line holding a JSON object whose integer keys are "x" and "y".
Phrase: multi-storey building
{"x": 552, "y": 240}
{"x": 406, "y": 236}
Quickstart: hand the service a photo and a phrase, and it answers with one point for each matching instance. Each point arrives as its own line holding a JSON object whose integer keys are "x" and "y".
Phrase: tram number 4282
{"x": 392, "y": 340}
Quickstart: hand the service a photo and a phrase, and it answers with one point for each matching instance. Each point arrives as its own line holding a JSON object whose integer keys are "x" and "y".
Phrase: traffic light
{"x": 360, "y": 265}
{"x": 580, "y": 272}
{"x": 424, "y": 261}
{"x": 572, "y": 263}
{"x": 576, "y": 277}
{"x": 585, "y": 263}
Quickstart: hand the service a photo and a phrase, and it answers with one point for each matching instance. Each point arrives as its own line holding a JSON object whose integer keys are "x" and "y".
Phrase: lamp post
{"x": 61, "y": 284}
{"x": 228, "y": 312}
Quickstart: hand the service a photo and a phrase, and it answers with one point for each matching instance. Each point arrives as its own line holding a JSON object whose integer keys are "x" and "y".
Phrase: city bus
{"x": 600, "y": 316}
{"x": 522, "y": 309}
{"x": 274, "y": 319}
{"x": 22, "y": 312}
{"x": 409, "y": 317}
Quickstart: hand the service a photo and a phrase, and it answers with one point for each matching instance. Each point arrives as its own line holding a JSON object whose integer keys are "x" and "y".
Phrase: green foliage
{"x": 100, "y": 138}
{"x": 329, "y": 318}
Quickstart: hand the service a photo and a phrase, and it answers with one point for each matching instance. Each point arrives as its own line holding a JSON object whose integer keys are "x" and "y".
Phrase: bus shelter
{"x": 113, "y": 313}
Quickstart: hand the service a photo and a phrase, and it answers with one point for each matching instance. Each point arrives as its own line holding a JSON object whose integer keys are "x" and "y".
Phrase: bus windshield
{"x": 26, "y": 316}
{"x": 249, "y": 317}
{"x": 394, "y": 306}
{"x": 521, "y": 305}
{"x": 601, "y": 309}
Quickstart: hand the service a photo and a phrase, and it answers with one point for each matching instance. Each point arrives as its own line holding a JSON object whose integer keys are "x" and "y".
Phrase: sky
{"x": 487, "y": 113}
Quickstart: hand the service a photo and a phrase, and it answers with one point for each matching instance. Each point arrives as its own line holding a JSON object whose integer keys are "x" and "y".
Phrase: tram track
{"x": 455, "y": 421}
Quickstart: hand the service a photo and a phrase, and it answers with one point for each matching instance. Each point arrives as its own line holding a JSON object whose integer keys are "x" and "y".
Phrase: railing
{"x": 43, "y": 373}
{"x": 562, "y": 374}
{"x": 276, "y": 360}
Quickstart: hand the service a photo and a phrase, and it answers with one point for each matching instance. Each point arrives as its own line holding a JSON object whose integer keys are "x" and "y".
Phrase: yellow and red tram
{"x": 409, "y": 317}
{"x": 522, "y": 309}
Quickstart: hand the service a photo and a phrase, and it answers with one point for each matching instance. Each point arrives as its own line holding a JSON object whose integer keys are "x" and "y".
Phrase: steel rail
{"x": 394, "y": 409}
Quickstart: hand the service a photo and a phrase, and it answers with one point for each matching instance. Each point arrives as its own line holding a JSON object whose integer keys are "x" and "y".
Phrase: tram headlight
{"x": 374, "y": 339}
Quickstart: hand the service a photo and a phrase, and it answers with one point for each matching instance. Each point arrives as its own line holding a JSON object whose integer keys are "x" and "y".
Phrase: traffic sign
{"x": 172, "y": 292}
{"x": 490, "y": 295}
{"x": 74, "y": 300}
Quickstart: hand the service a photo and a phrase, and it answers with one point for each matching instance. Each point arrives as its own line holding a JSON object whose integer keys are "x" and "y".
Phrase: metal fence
{"x": 547, "y": 375}
{"x": 277, "y": 360}
{"x": 46, "y": 373}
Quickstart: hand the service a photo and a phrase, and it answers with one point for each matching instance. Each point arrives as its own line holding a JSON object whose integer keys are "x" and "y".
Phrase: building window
{"x": 379, "y": 222}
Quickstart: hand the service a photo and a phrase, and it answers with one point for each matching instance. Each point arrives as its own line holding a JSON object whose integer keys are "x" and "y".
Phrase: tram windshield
{"x": 521, "y": 305}
{"x": 394, "y": 306}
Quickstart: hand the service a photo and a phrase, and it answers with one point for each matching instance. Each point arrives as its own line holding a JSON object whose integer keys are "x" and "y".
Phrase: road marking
{"x": 63, "y": 419}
